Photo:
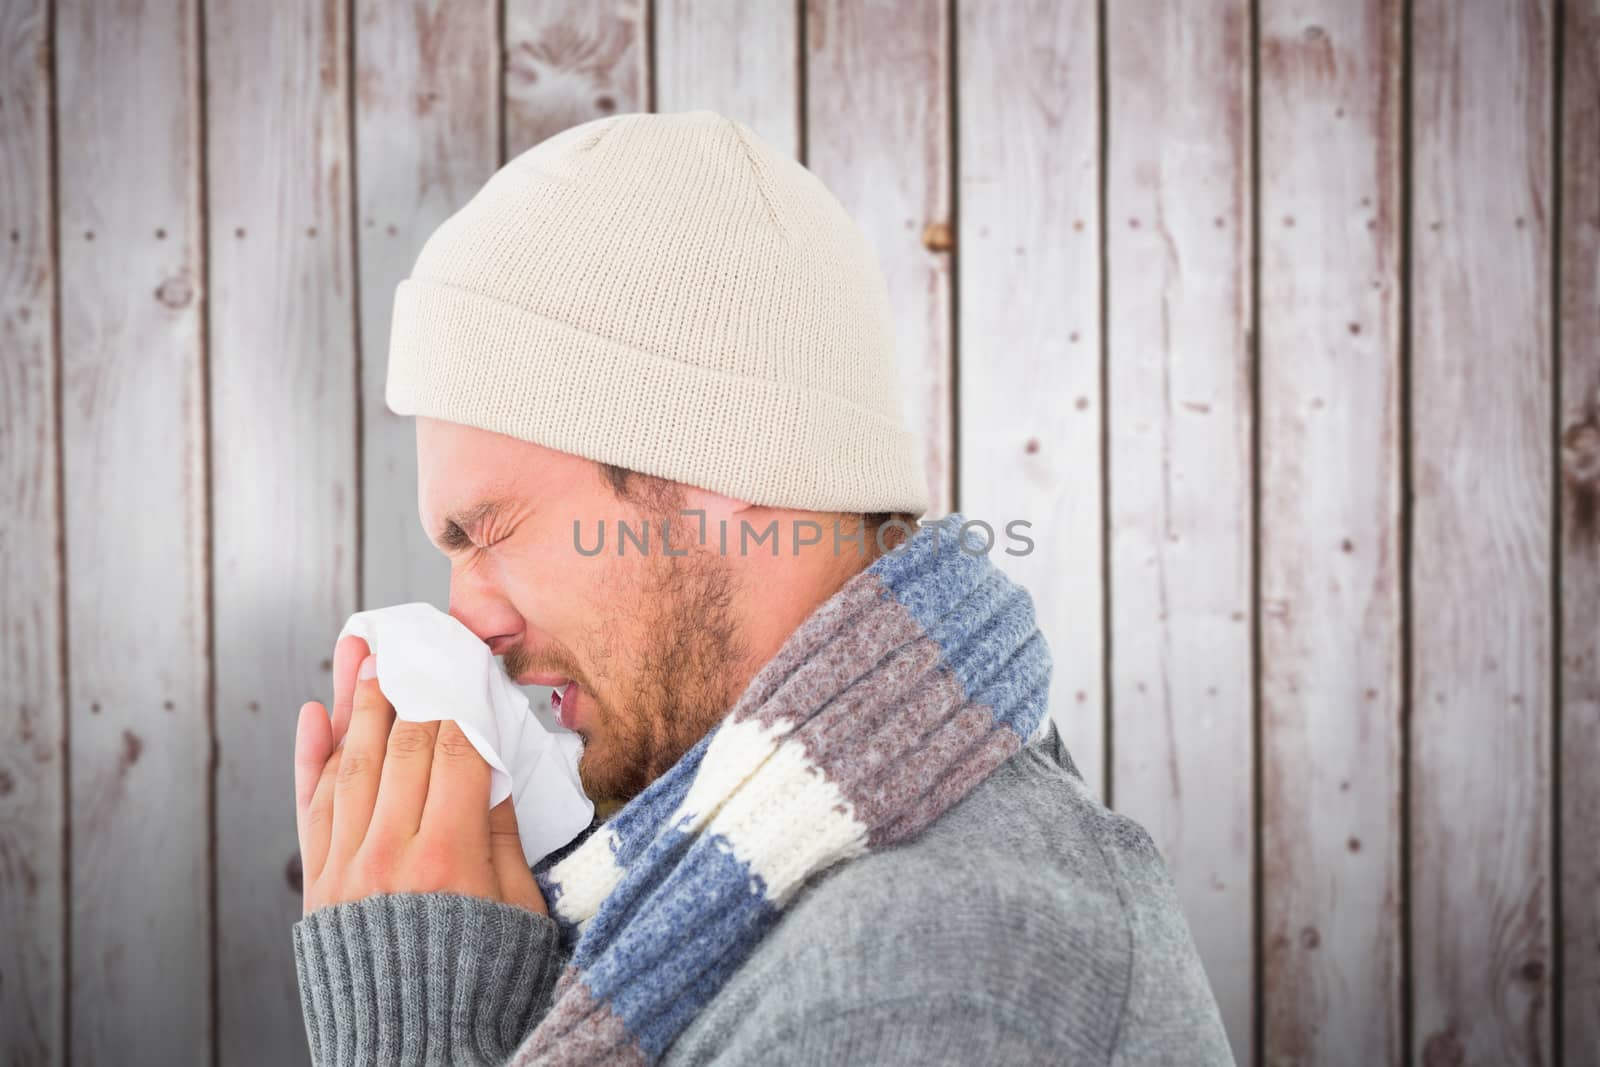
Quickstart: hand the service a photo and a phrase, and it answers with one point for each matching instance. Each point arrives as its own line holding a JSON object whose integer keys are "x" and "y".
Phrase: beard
{"x": 683, "y": 681}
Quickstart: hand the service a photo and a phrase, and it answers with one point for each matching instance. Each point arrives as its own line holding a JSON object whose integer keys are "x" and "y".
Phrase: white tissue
{"x": 430, "y": 666}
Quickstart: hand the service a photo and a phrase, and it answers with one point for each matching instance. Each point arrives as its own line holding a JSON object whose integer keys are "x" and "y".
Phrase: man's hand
{"x": 386, "y": 806}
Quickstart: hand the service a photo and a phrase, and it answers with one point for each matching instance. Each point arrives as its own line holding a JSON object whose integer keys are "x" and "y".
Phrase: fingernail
{"x": 369, "y": 667}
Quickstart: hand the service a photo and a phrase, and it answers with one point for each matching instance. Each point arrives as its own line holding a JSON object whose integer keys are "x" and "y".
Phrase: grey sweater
{"x": 1029, "y": 924}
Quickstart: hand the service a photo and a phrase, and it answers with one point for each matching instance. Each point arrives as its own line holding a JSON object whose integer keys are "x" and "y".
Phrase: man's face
{"x": 651, "y": 641}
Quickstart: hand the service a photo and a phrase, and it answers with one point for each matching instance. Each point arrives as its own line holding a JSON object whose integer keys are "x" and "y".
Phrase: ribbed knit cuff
{"x": 423, "y": 978}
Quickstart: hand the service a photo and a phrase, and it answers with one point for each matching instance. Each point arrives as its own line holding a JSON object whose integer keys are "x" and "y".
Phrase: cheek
{"x": 572, "y": 598}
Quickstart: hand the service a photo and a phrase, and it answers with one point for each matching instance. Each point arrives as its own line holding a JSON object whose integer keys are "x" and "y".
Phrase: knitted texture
{"x": 667, "y": 293}
{"x": 893, "y": 699}
{"x": 448, "y": 979}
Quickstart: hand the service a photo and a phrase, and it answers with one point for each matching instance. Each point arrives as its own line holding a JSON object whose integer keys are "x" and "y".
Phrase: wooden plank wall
{"x": 1577, "y": 548}
{"x": 33, "y": 717}
{"x": 1330, "y": 436}
{"x": 1278, "y": 319}
{"x": 1482, "y": 680}
{"x": 133, "y": 408}
{"x": 1179, "y": 223}
{"x": 285, "y": 428}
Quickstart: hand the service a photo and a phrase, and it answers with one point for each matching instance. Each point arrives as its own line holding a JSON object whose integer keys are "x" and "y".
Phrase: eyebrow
{"x": 454, "y": 535}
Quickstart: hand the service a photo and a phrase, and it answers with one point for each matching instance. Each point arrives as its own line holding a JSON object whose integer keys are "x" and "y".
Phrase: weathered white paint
{"x": 32, "y": 705}
{"x": 283, "y": 391}
{"x": 1481, "y": 464}
{"x": 878, "y": 135}
{"x": 742, "y": 60}
{"x": 133, "y": 440}
{"x": 1179, "y": 405}
{"x": 1331, "y": 577}
{"x": 569, "y": 61}
{"x": 1579, "y": 423}
{"x": 1028, "y": 273}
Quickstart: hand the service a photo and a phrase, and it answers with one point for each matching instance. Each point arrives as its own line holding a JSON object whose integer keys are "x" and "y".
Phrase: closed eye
{"x": 455, "y": 535}
{"x": 455, "y": 539}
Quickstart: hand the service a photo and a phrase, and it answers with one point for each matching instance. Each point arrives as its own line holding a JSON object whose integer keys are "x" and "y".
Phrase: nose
{"x": 482, "y": 609}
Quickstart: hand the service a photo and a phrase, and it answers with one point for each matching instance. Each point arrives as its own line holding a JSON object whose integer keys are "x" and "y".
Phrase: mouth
{"x": 564, "y": 702}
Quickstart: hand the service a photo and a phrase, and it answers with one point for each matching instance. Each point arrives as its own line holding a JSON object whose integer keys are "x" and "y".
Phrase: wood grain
{"x": 33, "y": 951}
{"x": 569, "y": 61}
{"x": 1178, "y": 251}
{"x": 1578, "y": 326}
{"x": 104, "y": 541}
{"x": 742, "y": 60}
{"x": 133, "y": 433}
{"x": 283, "y": 382}
{"x": 1481, "y": 536}
{"x": 878, "y": 135}
{"x": 426, "y": 140}
{"x": 1331, "y": 447}
{"x": 1028, "y": 271}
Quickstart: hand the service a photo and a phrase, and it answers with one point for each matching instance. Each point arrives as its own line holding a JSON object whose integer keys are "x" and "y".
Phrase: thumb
{"x": 510, "y": 865}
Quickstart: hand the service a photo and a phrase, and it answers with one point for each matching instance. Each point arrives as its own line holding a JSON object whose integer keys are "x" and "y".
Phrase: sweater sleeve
{"x": 423, "y": 978}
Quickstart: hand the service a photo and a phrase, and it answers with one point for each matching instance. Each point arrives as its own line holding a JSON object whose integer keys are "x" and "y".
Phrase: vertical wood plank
{"x": 1028, "y": 277}
{"x": 1481, "y": 470}
{"x": 1331, "y": 691}
{"x": 284, "y": 406}
{"x": 566, "y": 62}
{"x": 1178, "y": 321}
{"x": 32, "y": 718}
{"x": 569, "y": 61}
{"x": 878, "y": 135}
{"x": 427, "y": 137}
{"x": 133, "y": 433}
{"x": 1579, "y": 333}
{"x": 742, "y": 60}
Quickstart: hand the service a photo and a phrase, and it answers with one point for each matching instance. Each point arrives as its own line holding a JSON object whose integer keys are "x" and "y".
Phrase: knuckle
{"x": 374, "y": 863}
{"x": 353, "y": 768}
{"x": 453, "y": 745}
{"x": 431, "y": 865}
{"x": 409, "y": 739}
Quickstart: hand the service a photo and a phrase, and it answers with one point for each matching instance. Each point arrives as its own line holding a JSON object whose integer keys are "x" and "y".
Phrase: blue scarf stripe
{"x": 981, "y": 627}
{"x": 657, "y": 801}
{"x": 1017, "y": 689}
{"x": 978, "y": 617}
{"x": 638, "y": 889}
{"x": 928, "y": 581}
{"x": 716, "y": 909}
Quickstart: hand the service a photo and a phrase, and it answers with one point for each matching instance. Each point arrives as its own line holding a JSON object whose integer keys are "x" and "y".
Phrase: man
{"x": 842, "y": 828}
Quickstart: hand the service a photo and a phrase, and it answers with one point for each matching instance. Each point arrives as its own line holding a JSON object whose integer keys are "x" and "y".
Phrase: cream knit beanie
{"x": 665, "y": 292}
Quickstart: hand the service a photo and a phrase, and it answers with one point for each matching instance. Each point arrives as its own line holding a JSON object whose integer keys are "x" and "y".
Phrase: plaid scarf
{"x": 896, "y": 696}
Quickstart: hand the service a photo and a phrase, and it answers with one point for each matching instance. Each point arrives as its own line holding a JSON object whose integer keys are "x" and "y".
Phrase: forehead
{"x": 460, "y": 467}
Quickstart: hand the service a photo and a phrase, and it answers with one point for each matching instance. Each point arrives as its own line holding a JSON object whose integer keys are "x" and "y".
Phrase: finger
{"x": 347, "y": 657}
{"x": 458, "y": 793}
{"x": 319, "y": 817}
{"x": 313, "y": 743}
{"x": 403, "y": 786}
{"x": 511, "y": 869}
{"x": 360, "y": 765}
